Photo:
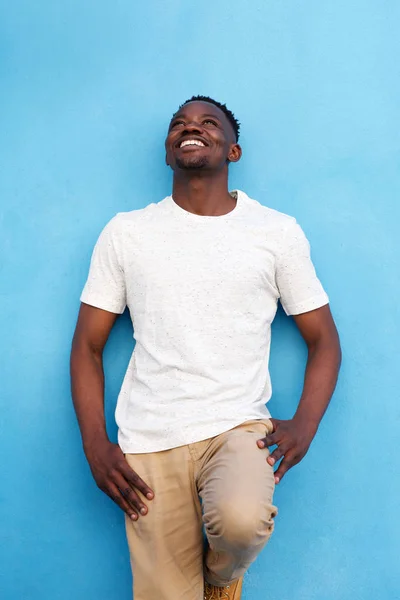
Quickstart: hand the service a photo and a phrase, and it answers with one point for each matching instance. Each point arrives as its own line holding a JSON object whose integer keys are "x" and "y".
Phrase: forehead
{"x": 197, "y": 109}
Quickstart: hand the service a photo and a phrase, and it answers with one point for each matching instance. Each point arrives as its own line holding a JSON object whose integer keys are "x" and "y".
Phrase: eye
{"x": 210, "y": 122}
{"x": 176, "y": 124}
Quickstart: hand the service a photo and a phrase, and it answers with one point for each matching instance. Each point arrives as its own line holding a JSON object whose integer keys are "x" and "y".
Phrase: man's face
{"x": 200, "y": 137}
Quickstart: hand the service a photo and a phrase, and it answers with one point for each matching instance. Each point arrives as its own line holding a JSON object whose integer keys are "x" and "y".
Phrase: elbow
{"x": 328, "y": 345}
{"x": 83, "y": 349}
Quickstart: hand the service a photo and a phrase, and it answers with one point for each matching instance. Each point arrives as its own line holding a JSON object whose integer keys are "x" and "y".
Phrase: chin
{"x": 192, "y": 163}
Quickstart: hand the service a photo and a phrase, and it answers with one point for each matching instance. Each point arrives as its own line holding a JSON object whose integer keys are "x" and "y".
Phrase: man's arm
{"x": 294, "y": 436}
{"x": 106, "y": 460}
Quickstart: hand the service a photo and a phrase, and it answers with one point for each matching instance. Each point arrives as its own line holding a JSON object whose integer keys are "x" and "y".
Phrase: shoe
{"x": 228, "y": 592}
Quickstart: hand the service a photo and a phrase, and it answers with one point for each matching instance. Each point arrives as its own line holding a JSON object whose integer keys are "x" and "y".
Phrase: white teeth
{"x": 191, "y": 143}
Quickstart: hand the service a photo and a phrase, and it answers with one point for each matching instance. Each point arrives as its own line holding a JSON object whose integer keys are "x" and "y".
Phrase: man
{"x": 201, "y": 272}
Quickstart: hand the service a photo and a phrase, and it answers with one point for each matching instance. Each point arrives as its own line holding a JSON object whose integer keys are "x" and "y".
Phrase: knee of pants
{"x": 232, "y": 526}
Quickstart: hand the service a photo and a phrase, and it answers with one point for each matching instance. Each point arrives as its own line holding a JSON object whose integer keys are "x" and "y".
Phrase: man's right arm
{"x": 106, "y": 460}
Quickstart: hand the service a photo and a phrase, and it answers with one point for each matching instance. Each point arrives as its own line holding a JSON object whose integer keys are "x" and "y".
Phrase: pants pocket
{"x": 261, "y": 426}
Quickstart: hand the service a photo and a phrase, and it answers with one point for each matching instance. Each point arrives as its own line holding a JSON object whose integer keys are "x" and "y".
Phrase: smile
{"x": 191, "y": 143}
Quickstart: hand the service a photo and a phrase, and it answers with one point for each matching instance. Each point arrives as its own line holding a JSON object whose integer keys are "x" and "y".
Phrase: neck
{"x": 201, "y": 194}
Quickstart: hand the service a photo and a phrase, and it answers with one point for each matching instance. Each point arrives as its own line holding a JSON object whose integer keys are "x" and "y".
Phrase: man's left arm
{"x": 294, "y": 436}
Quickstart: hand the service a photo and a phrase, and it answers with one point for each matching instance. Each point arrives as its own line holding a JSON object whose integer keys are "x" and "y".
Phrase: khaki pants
{"x": 223, "y": 484}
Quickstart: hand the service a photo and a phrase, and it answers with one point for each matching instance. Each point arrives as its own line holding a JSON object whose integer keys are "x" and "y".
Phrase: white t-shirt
{"x": 202, "y": 292}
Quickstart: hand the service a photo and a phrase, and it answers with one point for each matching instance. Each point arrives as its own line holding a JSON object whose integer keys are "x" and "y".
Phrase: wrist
{"x": 94, "y": 442}
{"x": 306, "y": 421}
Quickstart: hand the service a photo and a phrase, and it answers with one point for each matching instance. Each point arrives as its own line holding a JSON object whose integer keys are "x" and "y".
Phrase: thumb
{"x": 275, "y": 423}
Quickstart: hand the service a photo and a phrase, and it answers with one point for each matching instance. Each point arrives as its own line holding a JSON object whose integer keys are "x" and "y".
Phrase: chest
{"x": 213, "y": 263}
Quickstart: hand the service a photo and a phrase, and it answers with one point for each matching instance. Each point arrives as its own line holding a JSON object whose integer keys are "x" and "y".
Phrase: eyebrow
{"x": 212, "y": 116}
{"x": 182, "y": 116}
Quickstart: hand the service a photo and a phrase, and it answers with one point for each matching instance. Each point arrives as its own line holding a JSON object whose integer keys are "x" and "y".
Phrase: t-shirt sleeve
{"x": 105, "y": 285}
{"x": 299, "y": 287}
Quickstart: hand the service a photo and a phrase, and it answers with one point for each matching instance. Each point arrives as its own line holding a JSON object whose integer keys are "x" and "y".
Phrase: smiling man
{"x": 202, "y": 272}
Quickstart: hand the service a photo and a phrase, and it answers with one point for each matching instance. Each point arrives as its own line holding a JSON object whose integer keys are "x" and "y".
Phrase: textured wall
{"x": 87, "y": 89}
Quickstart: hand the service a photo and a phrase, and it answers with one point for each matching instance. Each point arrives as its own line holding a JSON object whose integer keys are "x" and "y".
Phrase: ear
{"x": 166, "y": 160}
{"x": 235, "y": 153}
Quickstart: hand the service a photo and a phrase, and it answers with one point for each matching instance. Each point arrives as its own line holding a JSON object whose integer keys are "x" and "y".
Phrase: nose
{"x": 192, "y": 127}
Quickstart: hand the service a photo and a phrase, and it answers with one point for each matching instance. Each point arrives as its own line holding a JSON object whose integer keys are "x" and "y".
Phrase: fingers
{"x": 269, "y": 440}
{"x": 136, "y": 481}
{"x": 275, "y": 455}
{"x": 287, "y": 463}
{"x": 291, "y": 445}
{"x": 275, "y": 424}
{"x": 114, "y": 493}
{"x": 273, "y": 439}
{"x": 129, "y": 495}
{"x": 120, "y": 486}
{"x": 282, "y": 469}
{"x": 115, "y": 477}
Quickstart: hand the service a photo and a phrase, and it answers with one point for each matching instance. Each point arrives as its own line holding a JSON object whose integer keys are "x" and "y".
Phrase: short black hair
{"x": 228, "y": 113}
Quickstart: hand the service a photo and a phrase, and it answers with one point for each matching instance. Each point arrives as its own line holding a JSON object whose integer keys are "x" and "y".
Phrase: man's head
{"x": 203, "y": 135}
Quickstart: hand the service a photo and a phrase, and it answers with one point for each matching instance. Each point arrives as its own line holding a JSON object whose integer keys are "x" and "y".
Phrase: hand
{"x": 293, "y": 438}
{"x": 115, "y": 478}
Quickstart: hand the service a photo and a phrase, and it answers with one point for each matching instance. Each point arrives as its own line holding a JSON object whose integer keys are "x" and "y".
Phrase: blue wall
{"x": 87, "y": 89}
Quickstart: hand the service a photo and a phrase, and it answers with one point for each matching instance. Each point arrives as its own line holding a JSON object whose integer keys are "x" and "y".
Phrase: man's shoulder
{"x": 137, "y": 217}
{"x": 267, "y": 216}
{"x": 139, "y": 214}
